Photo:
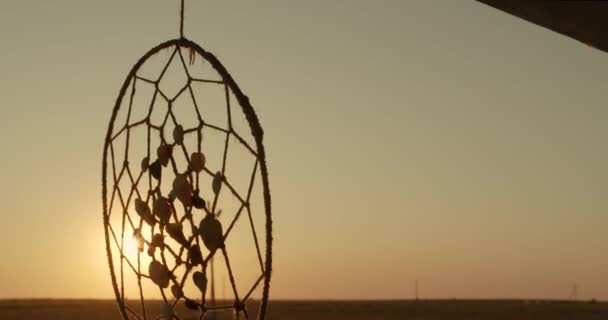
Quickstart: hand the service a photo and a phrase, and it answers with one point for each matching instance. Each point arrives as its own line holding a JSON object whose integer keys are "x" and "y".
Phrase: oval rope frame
{"x": 257, "y": 133}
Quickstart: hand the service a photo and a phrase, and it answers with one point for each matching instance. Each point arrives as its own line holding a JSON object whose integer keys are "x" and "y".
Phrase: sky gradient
{"x": 438, "y": 141}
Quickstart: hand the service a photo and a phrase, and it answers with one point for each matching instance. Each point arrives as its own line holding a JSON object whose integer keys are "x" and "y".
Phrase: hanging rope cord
{"x": 124, "y": 171}
{"x": 181, "y": 20}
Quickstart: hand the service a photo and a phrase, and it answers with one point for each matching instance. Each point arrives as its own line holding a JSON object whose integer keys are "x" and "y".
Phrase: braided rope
{"x": 192, "y": 178}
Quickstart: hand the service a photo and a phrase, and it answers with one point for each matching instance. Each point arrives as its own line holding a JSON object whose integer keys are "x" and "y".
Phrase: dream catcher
{"x": 186, "y": 200}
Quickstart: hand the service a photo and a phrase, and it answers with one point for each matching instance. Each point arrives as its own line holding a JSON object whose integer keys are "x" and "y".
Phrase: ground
{"x": 334, "y": 310}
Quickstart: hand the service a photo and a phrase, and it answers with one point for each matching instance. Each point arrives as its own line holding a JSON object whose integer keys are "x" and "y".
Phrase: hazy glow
{"x": 441, "y": 141}
{"x": 130, "y": 248}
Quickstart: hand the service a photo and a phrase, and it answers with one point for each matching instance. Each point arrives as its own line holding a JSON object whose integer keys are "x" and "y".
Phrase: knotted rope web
{"x": 188, "y": 190}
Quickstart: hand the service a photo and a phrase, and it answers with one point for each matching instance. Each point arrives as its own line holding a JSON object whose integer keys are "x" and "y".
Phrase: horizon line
{"x": 329, "y": 299}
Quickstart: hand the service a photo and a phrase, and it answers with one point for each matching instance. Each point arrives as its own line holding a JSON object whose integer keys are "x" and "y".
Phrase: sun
{"x": 130, "y": 246}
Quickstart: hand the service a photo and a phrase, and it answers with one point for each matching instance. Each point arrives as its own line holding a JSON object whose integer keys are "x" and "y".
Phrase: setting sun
{"x": 131, "y": 247}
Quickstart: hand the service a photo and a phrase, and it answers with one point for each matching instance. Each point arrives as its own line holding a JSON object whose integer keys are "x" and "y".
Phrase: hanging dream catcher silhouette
{"x": 186, "y": 200}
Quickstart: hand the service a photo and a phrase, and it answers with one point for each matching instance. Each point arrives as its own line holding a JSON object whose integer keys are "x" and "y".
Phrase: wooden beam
{"x": 585, "y": 21}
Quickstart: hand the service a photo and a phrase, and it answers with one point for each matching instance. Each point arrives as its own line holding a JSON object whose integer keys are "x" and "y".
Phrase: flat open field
{"x": 333, "y": 310}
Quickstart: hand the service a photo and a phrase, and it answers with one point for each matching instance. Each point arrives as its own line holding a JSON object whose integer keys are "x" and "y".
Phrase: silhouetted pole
{"x": 574, "y": 293}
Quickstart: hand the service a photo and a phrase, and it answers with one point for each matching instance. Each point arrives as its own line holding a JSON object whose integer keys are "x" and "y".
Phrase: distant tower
{"x": 574, "y": 293}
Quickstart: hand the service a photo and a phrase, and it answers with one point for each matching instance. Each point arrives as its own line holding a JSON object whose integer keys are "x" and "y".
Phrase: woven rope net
{"x": 186, "y": 201}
